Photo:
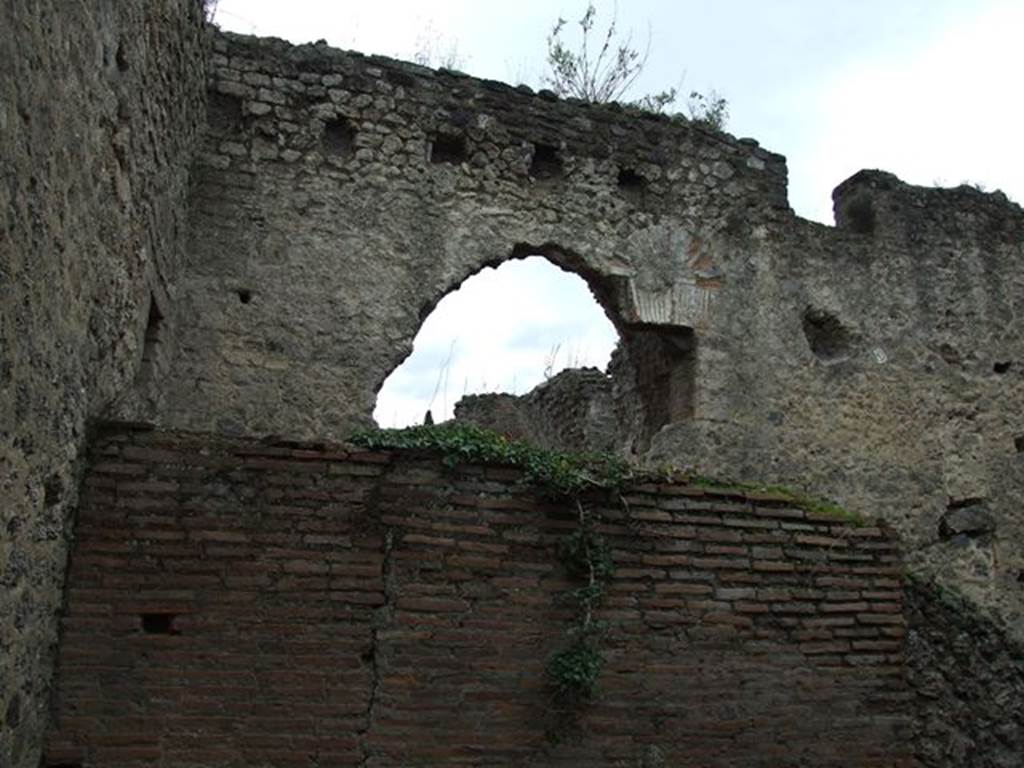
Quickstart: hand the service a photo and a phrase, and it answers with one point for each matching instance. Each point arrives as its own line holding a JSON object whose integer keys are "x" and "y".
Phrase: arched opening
{"x": 506, "y": 329}
{"x": 544, "y": 347}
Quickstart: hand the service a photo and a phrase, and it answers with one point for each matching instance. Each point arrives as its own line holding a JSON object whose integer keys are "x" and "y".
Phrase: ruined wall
{"x": 232, "y": 600}
{"x": 342, "y": 197}
{"x": 879, "y": 362}
{"x": 339, "y": 198}
{"x": 100, "y": 104}
{"x": 571, "y": 411}
{"x": 882, "y": 358}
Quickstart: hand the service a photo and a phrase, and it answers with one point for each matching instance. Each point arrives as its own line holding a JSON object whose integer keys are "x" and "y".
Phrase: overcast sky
{"x": 927, "y": 89}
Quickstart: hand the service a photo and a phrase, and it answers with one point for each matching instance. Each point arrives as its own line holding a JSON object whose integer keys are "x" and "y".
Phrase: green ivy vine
{"x": 573, "y": 670}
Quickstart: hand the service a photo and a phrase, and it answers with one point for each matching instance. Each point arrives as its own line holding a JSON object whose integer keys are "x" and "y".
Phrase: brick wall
{"x": 232, "y": 602}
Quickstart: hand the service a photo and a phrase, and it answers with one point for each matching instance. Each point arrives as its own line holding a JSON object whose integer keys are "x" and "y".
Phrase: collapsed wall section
{"x": 571, "y": 411}
{"x": 100, "y": 103}
{"x": 232, "y": 600}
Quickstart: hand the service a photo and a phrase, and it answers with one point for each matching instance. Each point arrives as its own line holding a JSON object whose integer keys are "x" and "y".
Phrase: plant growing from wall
{"x": 604, "y": 70}
{"x": 600, "y": 75}
{"x": 709, "y": 109}
{"x": 434, "y": 49}
{"x": 573, "y": 670}
{"x": 564, "y": 475}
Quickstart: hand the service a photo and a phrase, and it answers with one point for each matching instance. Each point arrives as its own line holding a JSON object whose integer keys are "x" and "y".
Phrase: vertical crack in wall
{"x": 381, "y": 618}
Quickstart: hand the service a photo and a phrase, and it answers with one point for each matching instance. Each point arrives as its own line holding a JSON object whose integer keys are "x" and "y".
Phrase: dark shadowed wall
{"x": 100, "y": 105}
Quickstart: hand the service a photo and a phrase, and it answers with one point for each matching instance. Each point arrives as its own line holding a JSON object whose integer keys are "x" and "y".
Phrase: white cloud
{"x": 945, "y": 112}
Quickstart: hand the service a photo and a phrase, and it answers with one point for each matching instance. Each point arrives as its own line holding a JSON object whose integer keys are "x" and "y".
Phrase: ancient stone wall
{"x": 342, "y": 197}
{"x": 968, "y": 677}
{"x": 879, "y": 362}
{"x": 339, "y": 197}
{"x": 882, "y": 358}
{"x": 100, "y": 103}
{"x": 231, "y": 600}
{"x": 571, "y": 411}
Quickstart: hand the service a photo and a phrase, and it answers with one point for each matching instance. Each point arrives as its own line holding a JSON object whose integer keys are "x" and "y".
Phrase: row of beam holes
{"x": 339, "y": 138}
{"x": 546, "y": 163}
{"x": 450, "y": 149}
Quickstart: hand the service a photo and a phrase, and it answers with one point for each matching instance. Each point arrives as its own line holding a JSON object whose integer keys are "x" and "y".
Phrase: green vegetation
{"x": 598, "y": 73}
{"x": 572, "y": 671}
{"x": 809, "y": 504}
{"x": 711, "y": 109}
{"x": 586, "y": 556}
{"x": 569, "y": 474}
{"x": 562, "y": 474}
{"x": 604, "y": 70}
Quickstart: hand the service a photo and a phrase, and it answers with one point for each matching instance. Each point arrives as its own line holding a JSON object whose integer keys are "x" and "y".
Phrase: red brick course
{"x": 231, "y": 603}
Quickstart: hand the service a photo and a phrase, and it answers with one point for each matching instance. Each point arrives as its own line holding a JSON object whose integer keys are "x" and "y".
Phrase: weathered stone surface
{"x": 572, "y": 411}
{"x": 405, "y": 182}
{"x": 100, "y": 103}
{"x": 968, "y": 679}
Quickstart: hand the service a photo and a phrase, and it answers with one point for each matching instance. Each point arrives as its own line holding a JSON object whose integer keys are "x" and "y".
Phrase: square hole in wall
{"x": 339, "y": 137}
{"x": 448, "y": 148}
{"x": 158, "y": 623}
{"x": 631, "y": 181}
{"x": 664, "y": 361}
{"x": 223, "y": 112}
{"x": 546, "y": 162}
